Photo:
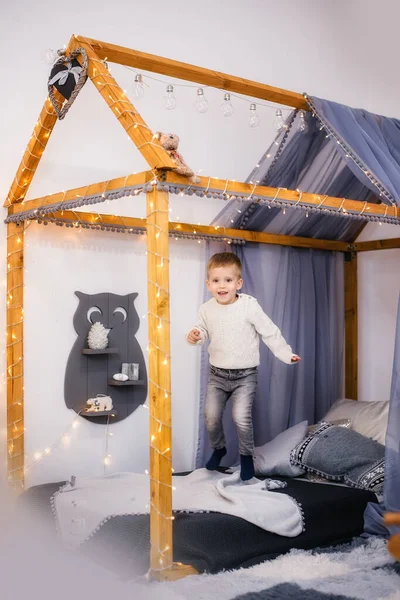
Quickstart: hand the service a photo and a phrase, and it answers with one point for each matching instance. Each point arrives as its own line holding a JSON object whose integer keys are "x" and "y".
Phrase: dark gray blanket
{"x": 212, "y": 542}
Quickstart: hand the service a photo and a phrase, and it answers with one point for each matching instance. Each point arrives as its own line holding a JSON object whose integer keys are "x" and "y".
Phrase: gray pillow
{"x": 273, "y": 458}
{"x": 368, "y": 418}
{"x": 340, "y": 454}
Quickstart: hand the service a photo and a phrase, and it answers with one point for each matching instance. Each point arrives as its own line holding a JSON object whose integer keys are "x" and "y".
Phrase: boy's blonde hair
{"x": 224, "y": 259}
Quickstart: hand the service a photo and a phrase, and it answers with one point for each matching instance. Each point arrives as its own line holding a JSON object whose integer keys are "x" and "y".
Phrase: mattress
{"x": 212, "y": 542}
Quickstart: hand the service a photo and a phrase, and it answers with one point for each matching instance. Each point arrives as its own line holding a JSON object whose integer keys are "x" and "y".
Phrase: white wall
{"x": 91, "y": 263}
{"x": 323, "y": 48}
{"x": 378, "y": 296}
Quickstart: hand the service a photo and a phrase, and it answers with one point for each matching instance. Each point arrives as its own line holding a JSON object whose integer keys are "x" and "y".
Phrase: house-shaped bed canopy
{"x": 157, "y": 183}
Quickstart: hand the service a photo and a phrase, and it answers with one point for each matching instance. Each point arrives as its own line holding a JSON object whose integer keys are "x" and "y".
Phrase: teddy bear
{"x": 170, "y": 142}
{"x": 100, "y": 403}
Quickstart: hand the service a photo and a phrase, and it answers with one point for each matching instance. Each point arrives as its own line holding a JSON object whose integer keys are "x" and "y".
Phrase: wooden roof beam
{"x": 187, "y": 72}
{"x": 85, "y": 218}
{"x": 292, "y": 196}
{"x": 388, "y": 244}
{"x": 93, "y": 189}
{"x": 246, "y": 190}
{"x": 123, "y": 110}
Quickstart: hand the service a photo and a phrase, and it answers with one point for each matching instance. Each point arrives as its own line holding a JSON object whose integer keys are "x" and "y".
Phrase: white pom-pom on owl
{"x": 98, "y": 336}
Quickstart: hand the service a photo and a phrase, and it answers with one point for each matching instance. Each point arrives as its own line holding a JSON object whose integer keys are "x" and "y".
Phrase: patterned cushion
{"x": 340, "y": 454}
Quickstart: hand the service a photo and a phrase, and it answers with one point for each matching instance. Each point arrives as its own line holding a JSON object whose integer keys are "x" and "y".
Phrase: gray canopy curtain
{"x": 302, "y": 291}
{"x": 392, "y": 469}
{"x": 373, "y": 518}
{"x": 343, "y": 152}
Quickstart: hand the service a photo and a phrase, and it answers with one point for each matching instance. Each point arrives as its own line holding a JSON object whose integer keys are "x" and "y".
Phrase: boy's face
{"x": 223, "y": 283}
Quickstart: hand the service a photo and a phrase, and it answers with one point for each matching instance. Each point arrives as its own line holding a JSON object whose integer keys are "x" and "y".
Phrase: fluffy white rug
{"x": 365, "y": 572}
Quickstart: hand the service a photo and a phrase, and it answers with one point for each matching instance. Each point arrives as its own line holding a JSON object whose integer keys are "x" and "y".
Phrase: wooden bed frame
{"x": 155, "y": 182}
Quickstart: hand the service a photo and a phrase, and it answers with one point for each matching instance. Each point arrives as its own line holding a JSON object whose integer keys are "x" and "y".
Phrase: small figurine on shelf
{"x": 98, "y": 336}
{"x": 101, "y": 403}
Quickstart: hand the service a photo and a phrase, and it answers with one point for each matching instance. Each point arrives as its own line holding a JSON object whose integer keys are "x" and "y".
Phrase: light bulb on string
{"x": 138, "y": 86}
{"x": 169, "y": 99}
{"x": 201, "y": 102}
{"x": 279, "y": 122}
{"x": 303, "y": 127}
{"x": 254, "y": 120}
{"x": 227, "y": 107}
{"x": 49, "y": 56}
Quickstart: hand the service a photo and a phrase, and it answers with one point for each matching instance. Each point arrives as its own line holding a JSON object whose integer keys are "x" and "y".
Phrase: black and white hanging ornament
{"x": 67, "y": 76}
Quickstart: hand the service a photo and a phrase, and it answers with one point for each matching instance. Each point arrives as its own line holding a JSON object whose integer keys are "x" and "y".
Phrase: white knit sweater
{"x": 233, "y": 331}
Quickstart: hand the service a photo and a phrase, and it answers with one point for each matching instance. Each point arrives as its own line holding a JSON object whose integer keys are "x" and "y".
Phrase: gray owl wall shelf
{"x": 89, "y": 372}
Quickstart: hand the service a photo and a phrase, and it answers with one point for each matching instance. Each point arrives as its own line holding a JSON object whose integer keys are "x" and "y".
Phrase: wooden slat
{"x": 206, "y": 230}
{"x": 394, "y": 545}
{"x": 377, "y": 245}
{"x": 177, "y": 571}
{"x": 230, "y": 187}
{"x": 393, "y": 519}
{"x": 159, "y": 383}
{"x": 84, "y": 191}
{"x": 33, "y": 153}
{"x": 261, "y": 237}
{"x": 187, "y": 72}
{"x": 351, "y": 326}
{"x": 14, "y": 355}
{"x": 234, "y": 187}
{"x": 124, "y": 111}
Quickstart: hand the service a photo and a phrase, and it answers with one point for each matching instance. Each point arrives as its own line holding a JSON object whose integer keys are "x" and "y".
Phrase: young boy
{"x": 232, "y": 323}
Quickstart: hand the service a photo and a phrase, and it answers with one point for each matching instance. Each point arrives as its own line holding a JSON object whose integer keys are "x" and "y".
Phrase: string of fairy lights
{"x": 44, "y": 132}
{"x": 141, "y": 81}
{"x": 47, "y": 214}
{"x": 39, "y": 456}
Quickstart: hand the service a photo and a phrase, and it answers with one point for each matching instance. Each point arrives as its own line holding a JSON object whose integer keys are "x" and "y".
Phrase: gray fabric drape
{"x": 302, "y": 291}
{"x": 373, "y": 517}
{"x": 344, "y": 152}
{"x": 370, "y": 143}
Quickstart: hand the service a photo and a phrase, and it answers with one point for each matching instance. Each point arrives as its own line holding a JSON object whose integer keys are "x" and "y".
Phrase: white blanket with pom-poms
{"x": 81, "y": 509}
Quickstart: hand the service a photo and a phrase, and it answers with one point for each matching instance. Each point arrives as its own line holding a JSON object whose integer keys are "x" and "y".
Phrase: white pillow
{"x": 368, "y": 418}
{"x": 273, "y": 458}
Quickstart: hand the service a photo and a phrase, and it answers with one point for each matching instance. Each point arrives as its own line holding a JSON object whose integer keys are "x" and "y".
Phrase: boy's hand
{"x": 295, "y": 358}
{"x": 194, "y": 336}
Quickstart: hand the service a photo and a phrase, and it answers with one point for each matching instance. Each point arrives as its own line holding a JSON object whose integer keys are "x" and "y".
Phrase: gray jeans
{"x": 239, "y": 385}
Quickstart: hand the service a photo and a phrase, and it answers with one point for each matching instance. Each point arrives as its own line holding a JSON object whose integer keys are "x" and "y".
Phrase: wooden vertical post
{"x": 162, "y": 566}
{"x": 159, "y": 383}
{"x": 15, "y": 362}
{"x": 351, "y": 325}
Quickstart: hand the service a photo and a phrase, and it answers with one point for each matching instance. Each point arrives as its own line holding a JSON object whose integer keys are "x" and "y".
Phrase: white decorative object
{"x": 120, "y": 377}
{"x": 131, "y": 370}
{"x": 98, "y": 336}
{"x": 100, "y": 403}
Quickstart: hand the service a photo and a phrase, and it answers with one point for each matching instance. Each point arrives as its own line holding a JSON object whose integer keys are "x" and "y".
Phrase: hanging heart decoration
{"x": 67, "y": 76}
